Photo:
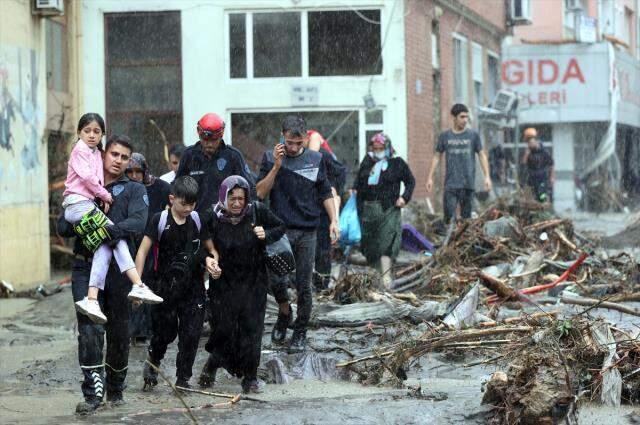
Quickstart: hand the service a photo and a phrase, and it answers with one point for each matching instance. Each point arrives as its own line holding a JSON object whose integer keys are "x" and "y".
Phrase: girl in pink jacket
{"x": 85, "y": 177}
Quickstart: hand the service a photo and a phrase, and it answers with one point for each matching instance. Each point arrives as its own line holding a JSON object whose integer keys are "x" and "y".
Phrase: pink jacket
{"x": 85, "y": 173}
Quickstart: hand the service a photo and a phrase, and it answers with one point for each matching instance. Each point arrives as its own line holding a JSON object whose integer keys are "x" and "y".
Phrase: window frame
{"x": 304, "y": 46}
{"x": 465, "y": 55}
{"x": 496, "y": 56}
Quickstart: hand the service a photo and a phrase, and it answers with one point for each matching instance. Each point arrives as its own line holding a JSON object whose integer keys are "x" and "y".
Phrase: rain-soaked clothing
{"x": 454, "y": 197}
{"x": 299, "y": 189}
{"x": 379, "y": 217}
{"x": 381, "y": 232}
{"x": 460, "y": 150}
{"x": 539, "y": 165}
{"x": 238, "y": 298}
{"x": 129, "y": 213}
{"x": 336, "y": 173}
{"x": 181, "y": 313}
{"x": 210, "y": 172}
{"x": 303, "y": 245}
{"x": 140, "y": 317}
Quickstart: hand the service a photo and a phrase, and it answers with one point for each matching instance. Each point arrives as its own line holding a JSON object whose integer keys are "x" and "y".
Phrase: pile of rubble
{"x": 514, "y": 256}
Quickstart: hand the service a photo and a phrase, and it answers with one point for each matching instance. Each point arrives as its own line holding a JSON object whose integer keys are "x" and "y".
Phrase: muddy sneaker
{"x": 88, "y": 406}
{"x": 91, "y": 308}
{"x": 279, "y": 332}
{"x": 150, "y": 376}
{"x": 255, "y": 386}
{"x": 208, "y": 374}
{"x": 144, "y": 294}
{"x": 182, "y": 384}
{"x": 298, "y": 341}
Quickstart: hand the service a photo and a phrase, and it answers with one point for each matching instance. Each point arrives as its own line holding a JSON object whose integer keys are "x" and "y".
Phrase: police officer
{"x": 211, "y": 160}
{"x": 539, "y": 167}
{"x": 129, "y": 215}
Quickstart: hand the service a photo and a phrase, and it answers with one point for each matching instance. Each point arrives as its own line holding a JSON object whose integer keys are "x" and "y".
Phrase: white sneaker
{"x": 144, "y": 294}
{"x": 91, "y": 308}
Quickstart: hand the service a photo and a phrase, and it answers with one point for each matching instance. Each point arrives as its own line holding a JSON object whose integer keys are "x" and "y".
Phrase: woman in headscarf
{"x": 157, "y": 199}
{"x": 239, "y": 231}
{"x": 379, "y": 203}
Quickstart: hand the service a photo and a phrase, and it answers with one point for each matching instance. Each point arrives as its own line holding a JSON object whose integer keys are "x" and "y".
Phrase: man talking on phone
{"x": 295, "y": 179}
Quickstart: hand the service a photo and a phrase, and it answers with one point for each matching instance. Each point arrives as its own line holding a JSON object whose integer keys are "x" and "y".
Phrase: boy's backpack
{"x": 162, "y": 223}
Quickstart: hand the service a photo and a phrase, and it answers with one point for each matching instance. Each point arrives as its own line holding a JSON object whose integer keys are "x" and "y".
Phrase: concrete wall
{"x": 24, "y": 244}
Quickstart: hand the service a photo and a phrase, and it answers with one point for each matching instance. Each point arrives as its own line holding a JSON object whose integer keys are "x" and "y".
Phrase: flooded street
{"x": 40, "y": 382}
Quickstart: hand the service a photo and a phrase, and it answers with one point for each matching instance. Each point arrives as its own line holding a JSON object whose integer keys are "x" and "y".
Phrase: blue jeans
{"x": 303, "y": 245}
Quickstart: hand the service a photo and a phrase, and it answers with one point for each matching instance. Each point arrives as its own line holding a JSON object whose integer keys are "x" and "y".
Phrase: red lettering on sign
{"x": 554, "y": 97}
{"x": 573, "y": 71}
{"x": 547, "y": 64}
{"x": 517, "y": 76}
{"x": 542, "y": 71}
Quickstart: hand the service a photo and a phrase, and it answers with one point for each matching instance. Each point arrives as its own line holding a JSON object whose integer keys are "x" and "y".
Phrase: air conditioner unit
{"x": 48, "y": 7}
{"x": 573, "y": 5}
{"x": 500, "y": 113}
{"x": 520, "y": 12}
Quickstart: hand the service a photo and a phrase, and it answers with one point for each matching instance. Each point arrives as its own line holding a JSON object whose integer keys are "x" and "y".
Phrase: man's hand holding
{"x": 334, "y": 232}
{"x": 278, "y": 154}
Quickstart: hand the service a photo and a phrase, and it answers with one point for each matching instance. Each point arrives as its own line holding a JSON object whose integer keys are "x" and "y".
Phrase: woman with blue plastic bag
{"x": 379, "y": 203}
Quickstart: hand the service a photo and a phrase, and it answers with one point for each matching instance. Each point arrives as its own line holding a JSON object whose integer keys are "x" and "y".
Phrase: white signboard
{"x": 304, "y": 95}
{"x": 559, "y": 83}
{"x": 587, "y": 32}
{"x": 628, "y": 70}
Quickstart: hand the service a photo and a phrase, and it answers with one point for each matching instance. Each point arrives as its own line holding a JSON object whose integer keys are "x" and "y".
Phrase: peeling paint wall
{"x": 24, "y": 245}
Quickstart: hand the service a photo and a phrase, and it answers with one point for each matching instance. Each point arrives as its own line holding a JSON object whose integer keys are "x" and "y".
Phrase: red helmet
{"x": 211, "y": 127}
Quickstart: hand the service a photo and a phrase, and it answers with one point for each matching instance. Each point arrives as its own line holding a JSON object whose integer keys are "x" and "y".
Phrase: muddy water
{"x": 40, "y": 383}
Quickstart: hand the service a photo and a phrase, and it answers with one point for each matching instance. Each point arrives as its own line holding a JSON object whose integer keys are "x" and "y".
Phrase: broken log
{"x": 500, "y": 288}
{"x": 590, "y": 302}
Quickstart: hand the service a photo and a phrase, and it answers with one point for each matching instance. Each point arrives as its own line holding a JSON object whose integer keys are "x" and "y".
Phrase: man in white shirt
{"x": 175, "y": 153}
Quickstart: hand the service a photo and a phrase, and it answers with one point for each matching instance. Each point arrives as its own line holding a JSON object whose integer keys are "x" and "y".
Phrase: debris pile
{"x": 514, "y": 256}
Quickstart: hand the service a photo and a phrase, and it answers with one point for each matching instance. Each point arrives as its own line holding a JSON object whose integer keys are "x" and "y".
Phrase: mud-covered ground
{"x": 40, "y": 378}
{"x": 40, "y": 382}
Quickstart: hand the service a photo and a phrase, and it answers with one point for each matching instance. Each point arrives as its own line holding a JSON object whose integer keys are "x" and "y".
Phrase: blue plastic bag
{"x": 350, "y": 233}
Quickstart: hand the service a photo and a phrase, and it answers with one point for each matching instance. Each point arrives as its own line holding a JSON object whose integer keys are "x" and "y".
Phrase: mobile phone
{"x": 281, "y": 139}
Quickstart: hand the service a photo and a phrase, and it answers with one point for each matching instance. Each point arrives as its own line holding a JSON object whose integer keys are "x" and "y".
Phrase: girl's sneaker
{"x": 144, "y": 294}
{"x": 91, "y": 308}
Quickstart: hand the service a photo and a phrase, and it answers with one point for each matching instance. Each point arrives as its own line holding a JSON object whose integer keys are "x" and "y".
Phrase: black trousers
{"x": 323, "y": 247}
{"x": 91, "y": 336}
{"x": 182, "y": 318}
{"x": 453, "y": 198}
{"x": 303, "y": 244}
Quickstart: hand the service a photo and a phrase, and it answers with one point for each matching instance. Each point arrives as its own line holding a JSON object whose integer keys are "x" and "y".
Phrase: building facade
{"x": 24, "y": 245}
{"x": 577, "y": 71}
{"x": 255, "y": 61}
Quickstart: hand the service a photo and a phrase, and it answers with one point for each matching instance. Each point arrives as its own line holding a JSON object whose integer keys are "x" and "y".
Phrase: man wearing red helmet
{"x": 211, "y": 160}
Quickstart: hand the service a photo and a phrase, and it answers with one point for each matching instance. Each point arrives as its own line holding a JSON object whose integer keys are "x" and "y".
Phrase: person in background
{"x": 379, "y": 203}
{"x": 460, "y": 145}
{"x": 539, "y": 167}
{"x": 211, "y": 160}
{"x": 175, "y": 153}
{"x": 158, "y": 196}
{"x": 336, "y": 173}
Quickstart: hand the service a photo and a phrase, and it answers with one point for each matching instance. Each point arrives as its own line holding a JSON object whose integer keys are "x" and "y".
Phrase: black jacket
{"x": 387, "y": 190}
{"x": 210, "y": 172}
{"x": 128, "y": 213}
